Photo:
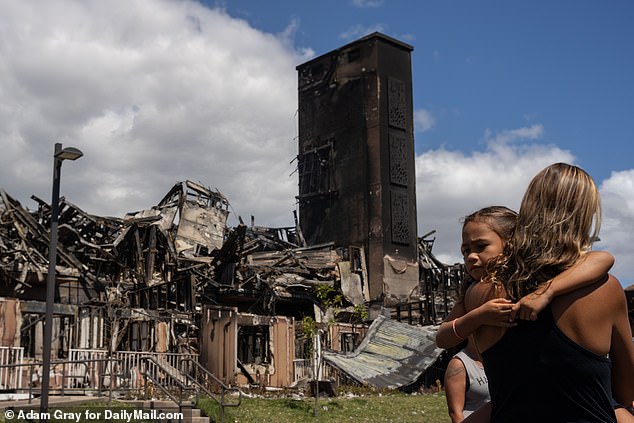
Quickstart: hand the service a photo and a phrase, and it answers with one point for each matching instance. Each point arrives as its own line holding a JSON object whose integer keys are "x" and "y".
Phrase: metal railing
{"x": 177, "y": 376}
{"x": 11, "y": 377}
{"x": 57, "y": 377}
{"x": 84, "y": 371}
{"x": 205, "y": 381}
{"x": 129, "y": 366}
{"x": 302, "y": 369}
{"x": 167, "y": 379}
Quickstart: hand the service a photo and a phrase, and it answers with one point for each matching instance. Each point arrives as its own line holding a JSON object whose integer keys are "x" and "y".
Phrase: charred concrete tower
{"x": 356, "y": 159}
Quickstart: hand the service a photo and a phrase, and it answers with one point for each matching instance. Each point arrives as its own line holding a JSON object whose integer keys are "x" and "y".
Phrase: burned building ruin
{"x": 174, "y": 282}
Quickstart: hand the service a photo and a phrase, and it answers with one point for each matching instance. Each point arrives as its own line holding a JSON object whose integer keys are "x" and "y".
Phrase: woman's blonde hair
{"x": 559, "y": 219}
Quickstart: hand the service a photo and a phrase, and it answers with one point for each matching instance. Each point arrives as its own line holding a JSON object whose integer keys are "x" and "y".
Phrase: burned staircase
{"x": 178, "y": 390}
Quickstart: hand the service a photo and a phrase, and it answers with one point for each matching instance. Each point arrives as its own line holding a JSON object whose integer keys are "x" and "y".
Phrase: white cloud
{"x": 287, "y": 37}
{"x": 509, "y": 135}
{"x": 423, "y": 120}
{"x": 617, "y": 199}
{"x": 153, "y": 92}
{"x": 367, "y": 3}
{"x": 451, "y": 184}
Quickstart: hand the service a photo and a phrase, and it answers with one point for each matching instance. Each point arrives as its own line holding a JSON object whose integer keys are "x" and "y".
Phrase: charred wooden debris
{"x": 146, "y": 281}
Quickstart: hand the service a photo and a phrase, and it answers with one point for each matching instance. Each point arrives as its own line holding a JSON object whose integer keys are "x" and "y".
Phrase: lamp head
{"x": 69, "y": 153}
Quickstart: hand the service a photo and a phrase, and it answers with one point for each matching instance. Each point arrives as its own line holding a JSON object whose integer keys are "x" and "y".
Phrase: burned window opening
{"x": 140, "y": 335}
{"x": 31, "y": 327}
{"x": 348, "y": 341}
{"x": 316, "y": 170}
{"x": 303, "y": 347}
{"x": 253, "y": 344}
{"x": 89, "y": 328}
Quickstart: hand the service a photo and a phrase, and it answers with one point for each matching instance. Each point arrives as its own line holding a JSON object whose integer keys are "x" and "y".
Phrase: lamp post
{"x": 68, "y": 153}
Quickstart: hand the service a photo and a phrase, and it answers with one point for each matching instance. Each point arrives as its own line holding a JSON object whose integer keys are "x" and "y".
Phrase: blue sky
{"x": 561, "y": 71}
{"x": 494, "y": 65}
{"x": 159, "y": 91}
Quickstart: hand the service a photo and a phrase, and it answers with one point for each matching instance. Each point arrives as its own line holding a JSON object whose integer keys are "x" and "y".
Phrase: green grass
{"x": 393, "y": 407}
{"x": 364, "y": 406}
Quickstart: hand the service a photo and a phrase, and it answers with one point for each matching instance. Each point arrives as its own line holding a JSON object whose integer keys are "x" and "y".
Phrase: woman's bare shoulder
{"x": 612, "y": 291}
{"x": 605, "y": 292}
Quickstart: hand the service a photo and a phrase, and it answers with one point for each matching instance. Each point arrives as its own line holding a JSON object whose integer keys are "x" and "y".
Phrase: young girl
{"x": 485, "y": 233}
{"x": 558, "y": 364}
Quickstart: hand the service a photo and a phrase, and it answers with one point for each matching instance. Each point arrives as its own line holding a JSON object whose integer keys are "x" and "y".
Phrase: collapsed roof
{"x": 392, "y": 355}
{"x": 183, "y": 238}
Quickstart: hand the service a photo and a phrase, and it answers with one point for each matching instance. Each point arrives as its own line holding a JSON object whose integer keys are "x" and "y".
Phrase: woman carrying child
{"x": 485, "y": 233}
{"x": 577, "y": 357}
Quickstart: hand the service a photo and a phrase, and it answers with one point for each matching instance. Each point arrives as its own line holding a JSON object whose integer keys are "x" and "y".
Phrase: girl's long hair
{"x": 559, "y": 219}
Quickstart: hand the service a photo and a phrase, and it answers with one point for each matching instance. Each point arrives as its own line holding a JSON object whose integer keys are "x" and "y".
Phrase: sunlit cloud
{"x": 423, "y": 120}
{"x": 367, "y": 3}
{"x": 452, "y": 184}
{"x": 153, "y": 92}
{"x": 617, "y": 199}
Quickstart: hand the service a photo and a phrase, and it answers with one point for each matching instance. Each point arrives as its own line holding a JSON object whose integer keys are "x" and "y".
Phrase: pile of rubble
{"x": 182, "y": 239}
{"x": 166, "y": 262}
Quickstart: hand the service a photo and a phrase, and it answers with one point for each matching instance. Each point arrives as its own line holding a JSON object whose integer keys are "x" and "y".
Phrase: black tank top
{"x": 537, "y": 374}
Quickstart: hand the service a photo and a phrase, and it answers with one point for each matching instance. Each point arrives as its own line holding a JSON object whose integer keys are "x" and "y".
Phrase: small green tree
{"x": 359, "y": 313}
{"x": 329, "y": 296}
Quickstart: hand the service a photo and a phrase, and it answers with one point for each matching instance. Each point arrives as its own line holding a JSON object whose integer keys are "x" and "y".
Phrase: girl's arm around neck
{"x": 587, "y": 270}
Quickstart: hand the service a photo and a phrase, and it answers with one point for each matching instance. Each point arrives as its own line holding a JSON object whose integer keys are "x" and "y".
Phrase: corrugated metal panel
{"x": 392, "y": 355}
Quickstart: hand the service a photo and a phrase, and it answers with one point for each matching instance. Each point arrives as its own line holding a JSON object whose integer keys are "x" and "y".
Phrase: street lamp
{"x": 68, "y": 153}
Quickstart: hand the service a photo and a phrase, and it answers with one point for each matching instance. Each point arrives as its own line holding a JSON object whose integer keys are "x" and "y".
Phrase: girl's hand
{"x": 497, "y": 312}
{"x": 529, "y": 306}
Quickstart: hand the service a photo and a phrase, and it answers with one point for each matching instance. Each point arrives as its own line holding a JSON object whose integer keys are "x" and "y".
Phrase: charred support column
{"x": 356, "y": 159}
